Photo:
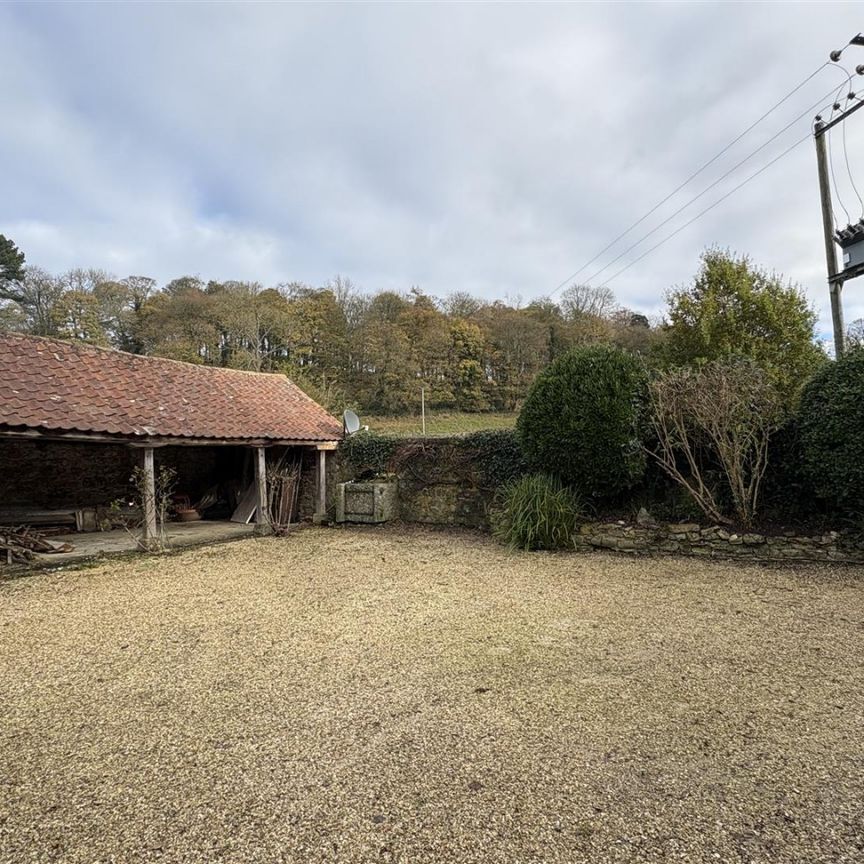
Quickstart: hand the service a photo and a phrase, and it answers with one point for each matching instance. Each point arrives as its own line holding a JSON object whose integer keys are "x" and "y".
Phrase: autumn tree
{"x": 515, "y": 349}
{"x": 120, "y": 304}
{"x": 467, "y": 374}
{"x": 735, "y": 309}
{"x": 180, "y": 322}
{"x": 75, "y": 315}
{"x": 427, "y": 330}
{"x": 579, "y": 301}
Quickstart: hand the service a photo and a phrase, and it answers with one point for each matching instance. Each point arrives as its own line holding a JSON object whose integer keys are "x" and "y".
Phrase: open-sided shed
{"x": 75, "y": 419}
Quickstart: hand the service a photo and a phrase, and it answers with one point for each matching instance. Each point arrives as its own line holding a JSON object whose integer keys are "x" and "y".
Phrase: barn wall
{"x": 50, "y": 474}
{"x": 57, "y": 474}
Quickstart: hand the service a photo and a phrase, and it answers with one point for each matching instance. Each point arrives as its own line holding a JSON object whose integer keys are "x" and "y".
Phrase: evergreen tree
{"x": 11, "y": 263}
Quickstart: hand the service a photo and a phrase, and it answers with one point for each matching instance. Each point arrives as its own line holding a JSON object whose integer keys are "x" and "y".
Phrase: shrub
{"x": 788, "y": 492}
{"x": 716, "y": 420}
{"x": 831, "y": 425}
{"x": 582, "y": 420}
{"x": 734, "y": 308}
{"x": 368, "y": 453}
{"x": 536, "y": 512}
{"x": 497, "y": 455}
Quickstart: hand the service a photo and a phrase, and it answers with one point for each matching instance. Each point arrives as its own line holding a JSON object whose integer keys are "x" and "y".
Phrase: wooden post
{"x": 835, "y": 284}
{"x": 321, "y": 510}
{"x": 150, "y": 539}
{"x": 262, "y": 510}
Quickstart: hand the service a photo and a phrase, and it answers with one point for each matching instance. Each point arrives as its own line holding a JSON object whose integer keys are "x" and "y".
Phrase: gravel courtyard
{"x": 383, "y": 695}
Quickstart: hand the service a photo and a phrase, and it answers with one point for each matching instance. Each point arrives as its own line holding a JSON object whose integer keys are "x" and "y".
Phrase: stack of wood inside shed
{"x": 20, "y": 543}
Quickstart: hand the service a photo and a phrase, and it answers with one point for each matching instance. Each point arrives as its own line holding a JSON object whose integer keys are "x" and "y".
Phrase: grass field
{"x": 454, "y": 423}
{"x": 366, "y": 695}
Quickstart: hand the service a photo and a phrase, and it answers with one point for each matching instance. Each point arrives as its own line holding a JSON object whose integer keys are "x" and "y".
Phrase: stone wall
{"x": 442, "y": 503}
{"x": 716, "y": 542}
{"x": 307, "y": 503}
{"x": 437, "y": 486}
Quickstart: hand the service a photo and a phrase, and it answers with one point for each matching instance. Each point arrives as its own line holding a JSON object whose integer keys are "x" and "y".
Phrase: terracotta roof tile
{"x": 53, "y": 385}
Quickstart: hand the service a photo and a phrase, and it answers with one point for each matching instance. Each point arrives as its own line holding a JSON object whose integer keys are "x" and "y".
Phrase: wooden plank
{"x": 26, "y": 516}
{"x": 247, "y": 505}
{"x": 147, "y": 441}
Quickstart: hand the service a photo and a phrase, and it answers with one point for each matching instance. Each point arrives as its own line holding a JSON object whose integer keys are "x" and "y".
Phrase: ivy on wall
{"x": 368, "y": 454}
{"x": 487, "y": 459}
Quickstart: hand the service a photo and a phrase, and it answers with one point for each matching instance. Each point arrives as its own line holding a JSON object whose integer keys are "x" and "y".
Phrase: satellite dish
{"x": 350, "y": 422}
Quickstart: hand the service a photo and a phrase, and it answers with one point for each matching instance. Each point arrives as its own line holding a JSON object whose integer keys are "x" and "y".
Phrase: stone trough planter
{"x": 370, "y": 501}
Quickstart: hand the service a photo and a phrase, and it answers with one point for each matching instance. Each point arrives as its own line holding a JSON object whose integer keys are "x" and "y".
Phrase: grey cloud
{"x": 484, "y": 148}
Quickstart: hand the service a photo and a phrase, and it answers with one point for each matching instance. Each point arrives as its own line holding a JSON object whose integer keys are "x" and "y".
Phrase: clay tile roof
{"x": 52, "y": 385}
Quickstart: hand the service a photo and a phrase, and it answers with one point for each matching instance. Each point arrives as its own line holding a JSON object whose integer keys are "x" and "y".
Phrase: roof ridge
{"x": 79, "y": 344}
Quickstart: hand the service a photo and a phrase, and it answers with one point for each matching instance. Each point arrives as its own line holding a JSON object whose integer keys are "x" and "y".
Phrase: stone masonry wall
{"x": 435, "y": 488}
{"x": 716, "y": 542}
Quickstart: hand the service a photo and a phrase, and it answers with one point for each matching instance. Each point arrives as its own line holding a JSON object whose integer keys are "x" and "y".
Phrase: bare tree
{"x": 578, "y": 301}
{"x": 722, "y": 414}
{"x": 36, "y": 296}
{"x": 84, "y": 279}
{"x": 855, "y": 333}
{"x": 460, "y": 304}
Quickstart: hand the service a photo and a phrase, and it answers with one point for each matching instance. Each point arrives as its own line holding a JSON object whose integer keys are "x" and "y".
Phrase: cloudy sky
{"x": 487, "y": 148}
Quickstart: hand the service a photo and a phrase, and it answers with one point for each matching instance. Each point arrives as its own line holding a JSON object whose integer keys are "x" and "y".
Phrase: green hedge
{"x": 831, "y": 428}
{"x": 583, "y": 420}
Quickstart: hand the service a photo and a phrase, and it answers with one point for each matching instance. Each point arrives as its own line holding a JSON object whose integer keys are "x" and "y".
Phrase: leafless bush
{"x": 722, "y": 415}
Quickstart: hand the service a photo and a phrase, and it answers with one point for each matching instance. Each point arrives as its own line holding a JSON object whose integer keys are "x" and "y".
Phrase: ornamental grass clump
{"x": 536, "y": 512}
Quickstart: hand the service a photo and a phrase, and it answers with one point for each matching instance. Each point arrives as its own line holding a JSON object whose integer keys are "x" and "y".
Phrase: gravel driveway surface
{"x": 367, "y": 695}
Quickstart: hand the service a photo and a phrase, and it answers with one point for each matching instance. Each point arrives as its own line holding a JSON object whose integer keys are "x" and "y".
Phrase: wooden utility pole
{"x": 835, "y": 284}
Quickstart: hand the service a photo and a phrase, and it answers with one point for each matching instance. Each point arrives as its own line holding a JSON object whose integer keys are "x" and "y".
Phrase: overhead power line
{"x": 836, "y": 107}
{"x": 807, "y": 111}
{"x": 710, "y": 207}
{"x": 851, "y": 176}
{"x": 834, "y": 180}
{"x": 693, "y": 176}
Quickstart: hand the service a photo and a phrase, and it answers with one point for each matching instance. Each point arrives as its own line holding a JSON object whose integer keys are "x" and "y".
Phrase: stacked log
{"x": 20, "y": 543}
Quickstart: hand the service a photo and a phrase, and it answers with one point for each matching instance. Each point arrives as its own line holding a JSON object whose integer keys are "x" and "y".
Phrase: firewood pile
{"x": 18, "y": 544}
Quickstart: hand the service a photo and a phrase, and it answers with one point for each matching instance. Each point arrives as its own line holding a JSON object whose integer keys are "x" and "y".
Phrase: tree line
{"x": 374, "y": 351}
{"x": 347, "y": 347}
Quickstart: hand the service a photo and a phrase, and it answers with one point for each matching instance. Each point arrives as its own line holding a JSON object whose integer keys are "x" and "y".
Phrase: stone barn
{"x": 76, "y": 420}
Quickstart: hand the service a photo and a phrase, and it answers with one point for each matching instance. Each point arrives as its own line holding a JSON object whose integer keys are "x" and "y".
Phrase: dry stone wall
{"x": 716, "y": 542}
